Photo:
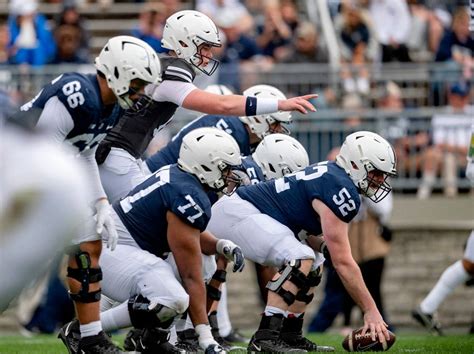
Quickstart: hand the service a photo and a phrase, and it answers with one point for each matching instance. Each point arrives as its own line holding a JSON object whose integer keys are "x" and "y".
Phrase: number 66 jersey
{"x": 289, "y": 199}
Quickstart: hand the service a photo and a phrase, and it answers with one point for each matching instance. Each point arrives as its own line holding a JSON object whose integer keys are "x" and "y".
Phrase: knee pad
{"x": 213, "y": 292}
{"x": 289, "y": 272}
{"x": 144, "y": 314}
{"x": 312, "y": 280}
{"x": 86, "y": 275}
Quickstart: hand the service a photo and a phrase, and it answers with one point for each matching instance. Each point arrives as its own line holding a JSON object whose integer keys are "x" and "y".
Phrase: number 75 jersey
{"x": 289, "y": 199}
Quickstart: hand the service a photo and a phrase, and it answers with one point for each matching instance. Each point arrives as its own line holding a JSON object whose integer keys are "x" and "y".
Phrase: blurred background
{"x": 401, "y": 68}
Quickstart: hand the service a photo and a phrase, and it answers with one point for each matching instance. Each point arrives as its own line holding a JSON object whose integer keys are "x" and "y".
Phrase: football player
{"x": 190, "y": 37}
{"x": 275, "y": 156}
{"x": 454, "y": 275}
{"x": 166, "y": 213}
{"x": 264, "y": 220}
{"x": 49, "y": 193}
{"x": 79, "y": 110}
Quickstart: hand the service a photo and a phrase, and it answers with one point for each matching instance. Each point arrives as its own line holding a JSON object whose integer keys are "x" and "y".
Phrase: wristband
{"x": 251, "y": 106}
{"x": 267, "y": 105}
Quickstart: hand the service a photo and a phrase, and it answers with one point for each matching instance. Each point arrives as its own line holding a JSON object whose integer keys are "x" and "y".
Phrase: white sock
{"x": 271, "y": 310}
{"x": 223, "y": 314}
{"x": 453, "y": 276}
{"x": 117, "y": 317}
{"x": 90, "y": 329}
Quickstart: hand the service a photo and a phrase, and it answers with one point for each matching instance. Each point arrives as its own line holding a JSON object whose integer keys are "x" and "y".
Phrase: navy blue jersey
{"x": 288, "y": 199}
{"x": 80, "y": 94}
{"x": 231, "y": 125}
{"x": 252, "y": 170}
{"x": 143, "y": 210}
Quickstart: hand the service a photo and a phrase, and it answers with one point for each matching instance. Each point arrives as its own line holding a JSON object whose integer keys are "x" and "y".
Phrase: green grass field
{"x": 406, "y": 343}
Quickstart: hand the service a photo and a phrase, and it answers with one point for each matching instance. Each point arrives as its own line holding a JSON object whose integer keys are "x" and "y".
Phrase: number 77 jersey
{"x": 289, "y": 199}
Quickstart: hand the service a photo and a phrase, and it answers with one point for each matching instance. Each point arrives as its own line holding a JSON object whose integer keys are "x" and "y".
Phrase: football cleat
{"x": 236, "y": 337}
{"x": 70, "y": 334}
{"x": 427, "y": 321}
{"x": 268, "y": 341}
{"x": 150, "y": 341}
{"x": 188, "y": 340}
{"x": 297, "y": 340}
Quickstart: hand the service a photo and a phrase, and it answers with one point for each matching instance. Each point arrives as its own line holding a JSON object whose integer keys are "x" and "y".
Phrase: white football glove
{"x": 104, "y": 219}
{"x": 206, "y": 340}
{"x": 470, "y": 170}
{"x": 233, "y": 253}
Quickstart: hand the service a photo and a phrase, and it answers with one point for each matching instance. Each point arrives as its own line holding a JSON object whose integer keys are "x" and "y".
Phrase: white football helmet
{"x": 185, "y": 31}
{"x": 126, "y": 58}
{"x": 280, "y": 154}
{"x": 210, "y": 154}
{"x": 260, "y": 125}
{"x": 363, "y": 152}
{"x": 219, "y": 90}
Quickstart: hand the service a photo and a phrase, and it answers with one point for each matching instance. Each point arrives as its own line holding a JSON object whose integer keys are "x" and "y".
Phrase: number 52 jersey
{"x": 289, "y": 199}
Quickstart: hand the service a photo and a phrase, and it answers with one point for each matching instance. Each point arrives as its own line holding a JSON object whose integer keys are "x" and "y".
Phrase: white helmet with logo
{"x": 280, "y": 154}
{"x": 363, "y": 152}
{"x": 126, "y": 58}
{"x": 185, "y": 31}
{"x": 260, "y": 125}
{"x": 209, "y": 154}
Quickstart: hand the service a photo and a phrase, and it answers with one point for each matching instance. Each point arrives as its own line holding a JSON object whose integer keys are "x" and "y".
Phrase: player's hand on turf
{"x": 299, "y": 103}
{"x": 374, "y": 323}
{"x": 233, "y": 253}
{"x": 104, "y": 220}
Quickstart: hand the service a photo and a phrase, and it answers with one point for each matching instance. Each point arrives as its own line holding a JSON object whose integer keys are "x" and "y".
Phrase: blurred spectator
{"x": 281, "y": 19}
{"x": 31, "y": 37}
{"x": 426, "y": 29}
{"x": 70, "y": 16}
{"x": 306, "y": 47}
{"x": 358, "y": 47}
{"x": 240, "y": 50}
{"x": 150, "y": 27}
{"x": 391, "y": 20}
{"x": 451, "y": 136}
{"x": 5, "y": 49}
{"x": 457, "y": 44}
{"x": 68, "y": 41}
{"x": 217, "y": 8}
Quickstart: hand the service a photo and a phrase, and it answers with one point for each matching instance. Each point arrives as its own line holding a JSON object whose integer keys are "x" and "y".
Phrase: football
{"x": 355, "y": 342}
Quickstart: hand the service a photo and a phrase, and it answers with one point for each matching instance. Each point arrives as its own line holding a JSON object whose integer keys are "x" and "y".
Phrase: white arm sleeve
{"x": 93, "y": 173}
{"x": 55, "y": 121}
{"x": 170, "y": 91}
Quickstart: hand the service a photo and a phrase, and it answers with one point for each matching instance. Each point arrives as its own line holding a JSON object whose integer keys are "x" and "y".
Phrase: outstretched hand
{"x": 299, "y": 103}
{"x": 374, "y": 323}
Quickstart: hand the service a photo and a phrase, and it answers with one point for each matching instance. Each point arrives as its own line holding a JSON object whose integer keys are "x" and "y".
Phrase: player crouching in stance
{"x": 166, "y": 213}
{"x": 264, "y": 218}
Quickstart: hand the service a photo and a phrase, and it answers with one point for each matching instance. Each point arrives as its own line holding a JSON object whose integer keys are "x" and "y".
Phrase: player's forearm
{"x": 94, "y": 176}
{"x": 197, "y": 299}
{"x": 351, "y": 277}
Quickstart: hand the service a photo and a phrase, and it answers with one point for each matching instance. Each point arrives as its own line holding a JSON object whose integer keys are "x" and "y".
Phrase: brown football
{"x": 355, "y": 342}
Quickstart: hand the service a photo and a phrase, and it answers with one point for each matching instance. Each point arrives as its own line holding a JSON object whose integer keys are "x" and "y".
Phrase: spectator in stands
{"x": 31, "y": 37}
{"x": 391, "y": 20}
{"x": 5, "y": 49}
{"x": 68, "y": 42}
{"x": 217, "y": 8}
{"x": 457, "y": 44}
{"x": 306, "y": 47}
{"x": 358, "y": 47}
{"x": 278, "y": 27}
{"x": 241, "y": 50}
{"x": 150, "y": 27}
{"x": 427, "y": 28}
{"x": 70, "y": 16}
{"x": 450, "y": 140}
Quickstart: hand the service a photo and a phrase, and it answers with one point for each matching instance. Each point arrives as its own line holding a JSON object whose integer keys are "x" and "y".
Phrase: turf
{"x": 406, "y": 343}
